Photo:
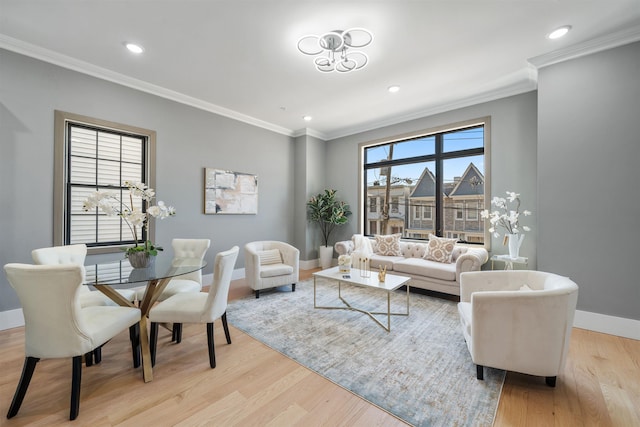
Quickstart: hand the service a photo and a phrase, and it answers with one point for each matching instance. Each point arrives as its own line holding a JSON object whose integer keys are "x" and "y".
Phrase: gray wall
{"x": 588, "y": 175}
{"x": 188, "y": 140}
{"x": 513, "y": 157}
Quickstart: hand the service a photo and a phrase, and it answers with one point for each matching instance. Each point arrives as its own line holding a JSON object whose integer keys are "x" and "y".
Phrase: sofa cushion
{"x": 440, "y": 249}
{"x": 388, "y": 245}
{"x": 423, "y": 267}
{"x": 270, "y": 256}
{"x": 378, "y": 261}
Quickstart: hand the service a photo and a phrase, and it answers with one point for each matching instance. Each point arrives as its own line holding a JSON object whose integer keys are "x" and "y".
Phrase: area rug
{"x": 420, "y": 371}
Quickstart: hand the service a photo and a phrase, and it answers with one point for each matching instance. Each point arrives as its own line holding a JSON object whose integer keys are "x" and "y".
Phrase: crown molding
{"x": 310, "y": 132}
{"x": 46, "y": 55}
{"x": 528, "y": 85}
{"x": 609, "y": 41}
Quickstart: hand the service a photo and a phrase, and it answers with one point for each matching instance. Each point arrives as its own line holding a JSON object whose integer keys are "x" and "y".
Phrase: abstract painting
{"x": 228, "y": 192}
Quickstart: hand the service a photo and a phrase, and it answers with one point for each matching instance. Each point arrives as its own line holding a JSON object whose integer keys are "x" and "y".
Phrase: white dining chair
{"x": 192, "y": 282}
{"x": 198, "y": 307}
{"x": 58, "y": 326}
{"x": 76, "y": 255}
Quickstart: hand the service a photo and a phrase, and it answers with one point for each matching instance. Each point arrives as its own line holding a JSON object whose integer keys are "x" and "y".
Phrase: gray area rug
{"x": 421, "y": 371}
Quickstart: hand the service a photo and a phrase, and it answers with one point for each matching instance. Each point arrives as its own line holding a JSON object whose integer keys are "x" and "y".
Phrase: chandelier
{"x": 336, "y": 49}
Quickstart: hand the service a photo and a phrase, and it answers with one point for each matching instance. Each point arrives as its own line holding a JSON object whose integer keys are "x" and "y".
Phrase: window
{"x": 431, "y": 181}
{"x": 91, "y": 155}
{"x": 373, "y": 205}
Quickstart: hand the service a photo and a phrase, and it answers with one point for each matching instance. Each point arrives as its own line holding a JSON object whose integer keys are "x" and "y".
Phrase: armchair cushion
{"x": 273, "y": 270}
{"x": 270, "y": 256}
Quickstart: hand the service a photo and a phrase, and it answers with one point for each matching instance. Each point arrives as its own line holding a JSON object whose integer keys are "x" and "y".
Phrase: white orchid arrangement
{"x": 506, "y": 215}
{"x": 109, "y": 203}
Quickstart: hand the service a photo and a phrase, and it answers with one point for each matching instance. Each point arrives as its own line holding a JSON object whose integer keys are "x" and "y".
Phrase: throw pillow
{"x": 440, "y": 249}
{"x": 270, "y": 256}
{"x": 388, "y": 245}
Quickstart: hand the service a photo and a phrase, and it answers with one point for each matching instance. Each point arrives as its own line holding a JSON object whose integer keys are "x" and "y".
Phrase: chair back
{"x": 49, "y": 298}
{"x": 190, "y": 248}
{"x": 55, "y": 255}
{"x": 218, "y": 296}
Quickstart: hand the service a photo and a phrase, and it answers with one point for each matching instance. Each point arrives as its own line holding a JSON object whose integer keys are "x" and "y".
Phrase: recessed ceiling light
{"x": 307, "y": 118}
{"x": 393, "y": 89}
{"x": 556, "y": 34}
{"x": 134, "y": 48}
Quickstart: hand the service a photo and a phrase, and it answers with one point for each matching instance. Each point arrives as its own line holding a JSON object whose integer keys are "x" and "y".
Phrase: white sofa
{"x": 424, "y": 273}
{"x": 518, "y": 320}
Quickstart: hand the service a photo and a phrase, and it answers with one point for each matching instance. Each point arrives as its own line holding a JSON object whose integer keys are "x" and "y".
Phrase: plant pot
{"x": 515, "y": 241}
{"x": 326, "y": 256}
{"x": 140, "y": 259}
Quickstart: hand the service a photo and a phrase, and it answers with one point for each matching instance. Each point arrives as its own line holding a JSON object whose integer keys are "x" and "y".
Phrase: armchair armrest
{"x": 476, "y": 281}
{"x": 344, "y": 247}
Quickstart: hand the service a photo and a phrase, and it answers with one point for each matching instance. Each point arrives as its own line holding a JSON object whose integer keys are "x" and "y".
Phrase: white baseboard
{"x": 11, "y": 319}
{"x": 620, "y": 326}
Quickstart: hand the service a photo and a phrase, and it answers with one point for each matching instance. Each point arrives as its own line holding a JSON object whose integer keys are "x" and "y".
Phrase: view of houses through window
{"x": 431, "y": 184}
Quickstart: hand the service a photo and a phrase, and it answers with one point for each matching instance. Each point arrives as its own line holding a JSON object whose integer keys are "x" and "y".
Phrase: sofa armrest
{"x": 470, "y": 261}
{"x": 344, "y": 247}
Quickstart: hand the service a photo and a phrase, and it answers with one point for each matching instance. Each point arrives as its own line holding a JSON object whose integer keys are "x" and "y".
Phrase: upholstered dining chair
{"x": 198, "y": 307}
{"x": 269, "y": 264}
{"x": 76, "y": 255}
{"x": 56, "y": 324}
{"x": 192, "y": 282}
{"x": 518, "y": 320}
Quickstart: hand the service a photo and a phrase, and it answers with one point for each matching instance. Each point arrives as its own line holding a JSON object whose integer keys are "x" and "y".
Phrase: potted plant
{"x": 507, "y": 216}
{"x": 325, "y": 210}
{"x": 141, "y": 254}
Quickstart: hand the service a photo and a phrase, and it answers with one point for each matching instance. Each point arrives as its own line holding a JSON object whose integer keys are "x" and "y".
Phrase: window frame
{"x": 61, "y": 157}
{"x": 485, "y": 122}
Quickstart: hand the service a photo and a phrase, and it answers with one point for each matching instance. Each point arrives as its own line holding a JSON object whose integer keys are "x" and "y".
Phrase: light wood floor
{"x": 256, "y": 386}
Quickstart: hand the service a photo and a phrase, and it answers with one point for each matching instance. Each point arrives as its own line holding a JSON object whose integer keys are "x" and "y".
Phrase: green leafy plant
{"x": 328, "y": 212}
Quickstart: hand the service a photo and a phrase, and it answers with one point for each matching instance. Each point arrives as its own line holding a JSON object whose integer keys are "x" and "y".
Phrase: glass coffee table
{"x": 392, "y": 282}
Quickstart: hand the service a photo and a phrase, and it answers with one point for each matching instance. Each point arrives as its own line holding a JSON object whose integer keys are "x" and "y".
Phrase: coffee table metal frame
{"x": 392, "y": 282}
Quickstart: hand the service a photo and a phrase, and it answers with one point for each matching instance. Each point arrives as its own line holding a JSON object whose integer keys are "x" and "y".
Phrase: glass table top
{"x": 121, "y": 272}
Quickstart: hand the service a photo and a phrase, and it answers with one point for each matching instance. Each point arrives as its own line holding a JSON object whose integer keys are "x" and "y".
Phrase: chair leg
{"x": 134, "y": 336}
{"x": 480, "y": 372}
{"x": 27, "y": 372}
{"x": 153, "y": 341}
{"x": 257, "y": 294}
{"x": 97, "y": 355}
{"x": 176, "y": 334}
{"x": 551, "y": 381}
{"x": 293, "y": 287}
{"x": 76, "y": 378}
{"x": 226, "y": 327}
{"x": 212, "y": 353}
{"x": 88, "y": 358}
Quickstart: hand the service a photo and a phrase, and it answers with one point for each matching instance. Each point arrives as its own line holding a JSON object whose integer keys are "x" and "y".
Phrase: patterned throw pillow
{"x": 440, "y": 249}
{"x": 388, "y": 245}
{"x": 270, "y": 256}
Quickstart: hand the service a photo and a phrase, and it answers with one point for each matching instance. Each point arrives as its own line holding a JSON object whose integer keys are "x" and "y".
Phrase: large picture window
{"x": 92, "y": 155}
{"x": 428, "y": 183}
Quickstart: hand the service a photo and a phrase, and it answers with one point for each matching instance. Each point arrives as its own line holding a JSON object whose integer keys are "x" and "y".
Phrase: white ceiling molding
{"x": 609, "y": 41}
{"x": 64, "y": 61}
{"x": 492, "y": 95}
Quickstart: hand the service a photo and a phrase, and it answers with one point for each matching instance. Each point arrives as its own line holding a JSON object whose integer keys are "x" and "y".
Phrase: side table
{"x": 510, "y": 263}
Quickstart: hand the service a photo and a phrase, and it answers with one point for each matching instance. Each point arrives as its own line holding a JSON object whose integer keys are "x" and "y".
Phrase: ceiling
{"x": 239, "y": 58}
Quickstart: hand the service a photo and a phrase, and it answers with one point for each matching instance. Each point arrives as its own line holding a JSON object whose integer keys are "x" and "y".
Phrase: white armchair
{"x": 269, "y": 264}
{"x": 518, "y": 320}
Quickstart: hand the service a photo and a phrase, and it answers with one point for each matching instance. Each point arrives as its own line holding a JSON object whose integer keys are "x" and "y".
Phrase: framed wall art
{"x": 228, "y": 192}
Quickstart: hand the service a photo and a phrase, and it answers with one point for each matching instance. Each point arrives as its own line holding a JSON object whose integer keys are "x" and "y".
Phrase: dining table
{"x": 107, "y": 277}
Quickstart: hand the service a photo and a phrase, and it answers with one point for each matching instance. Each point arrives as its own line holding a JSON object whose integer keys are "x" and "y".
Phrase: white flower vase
{"x": 515, "y": 241}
